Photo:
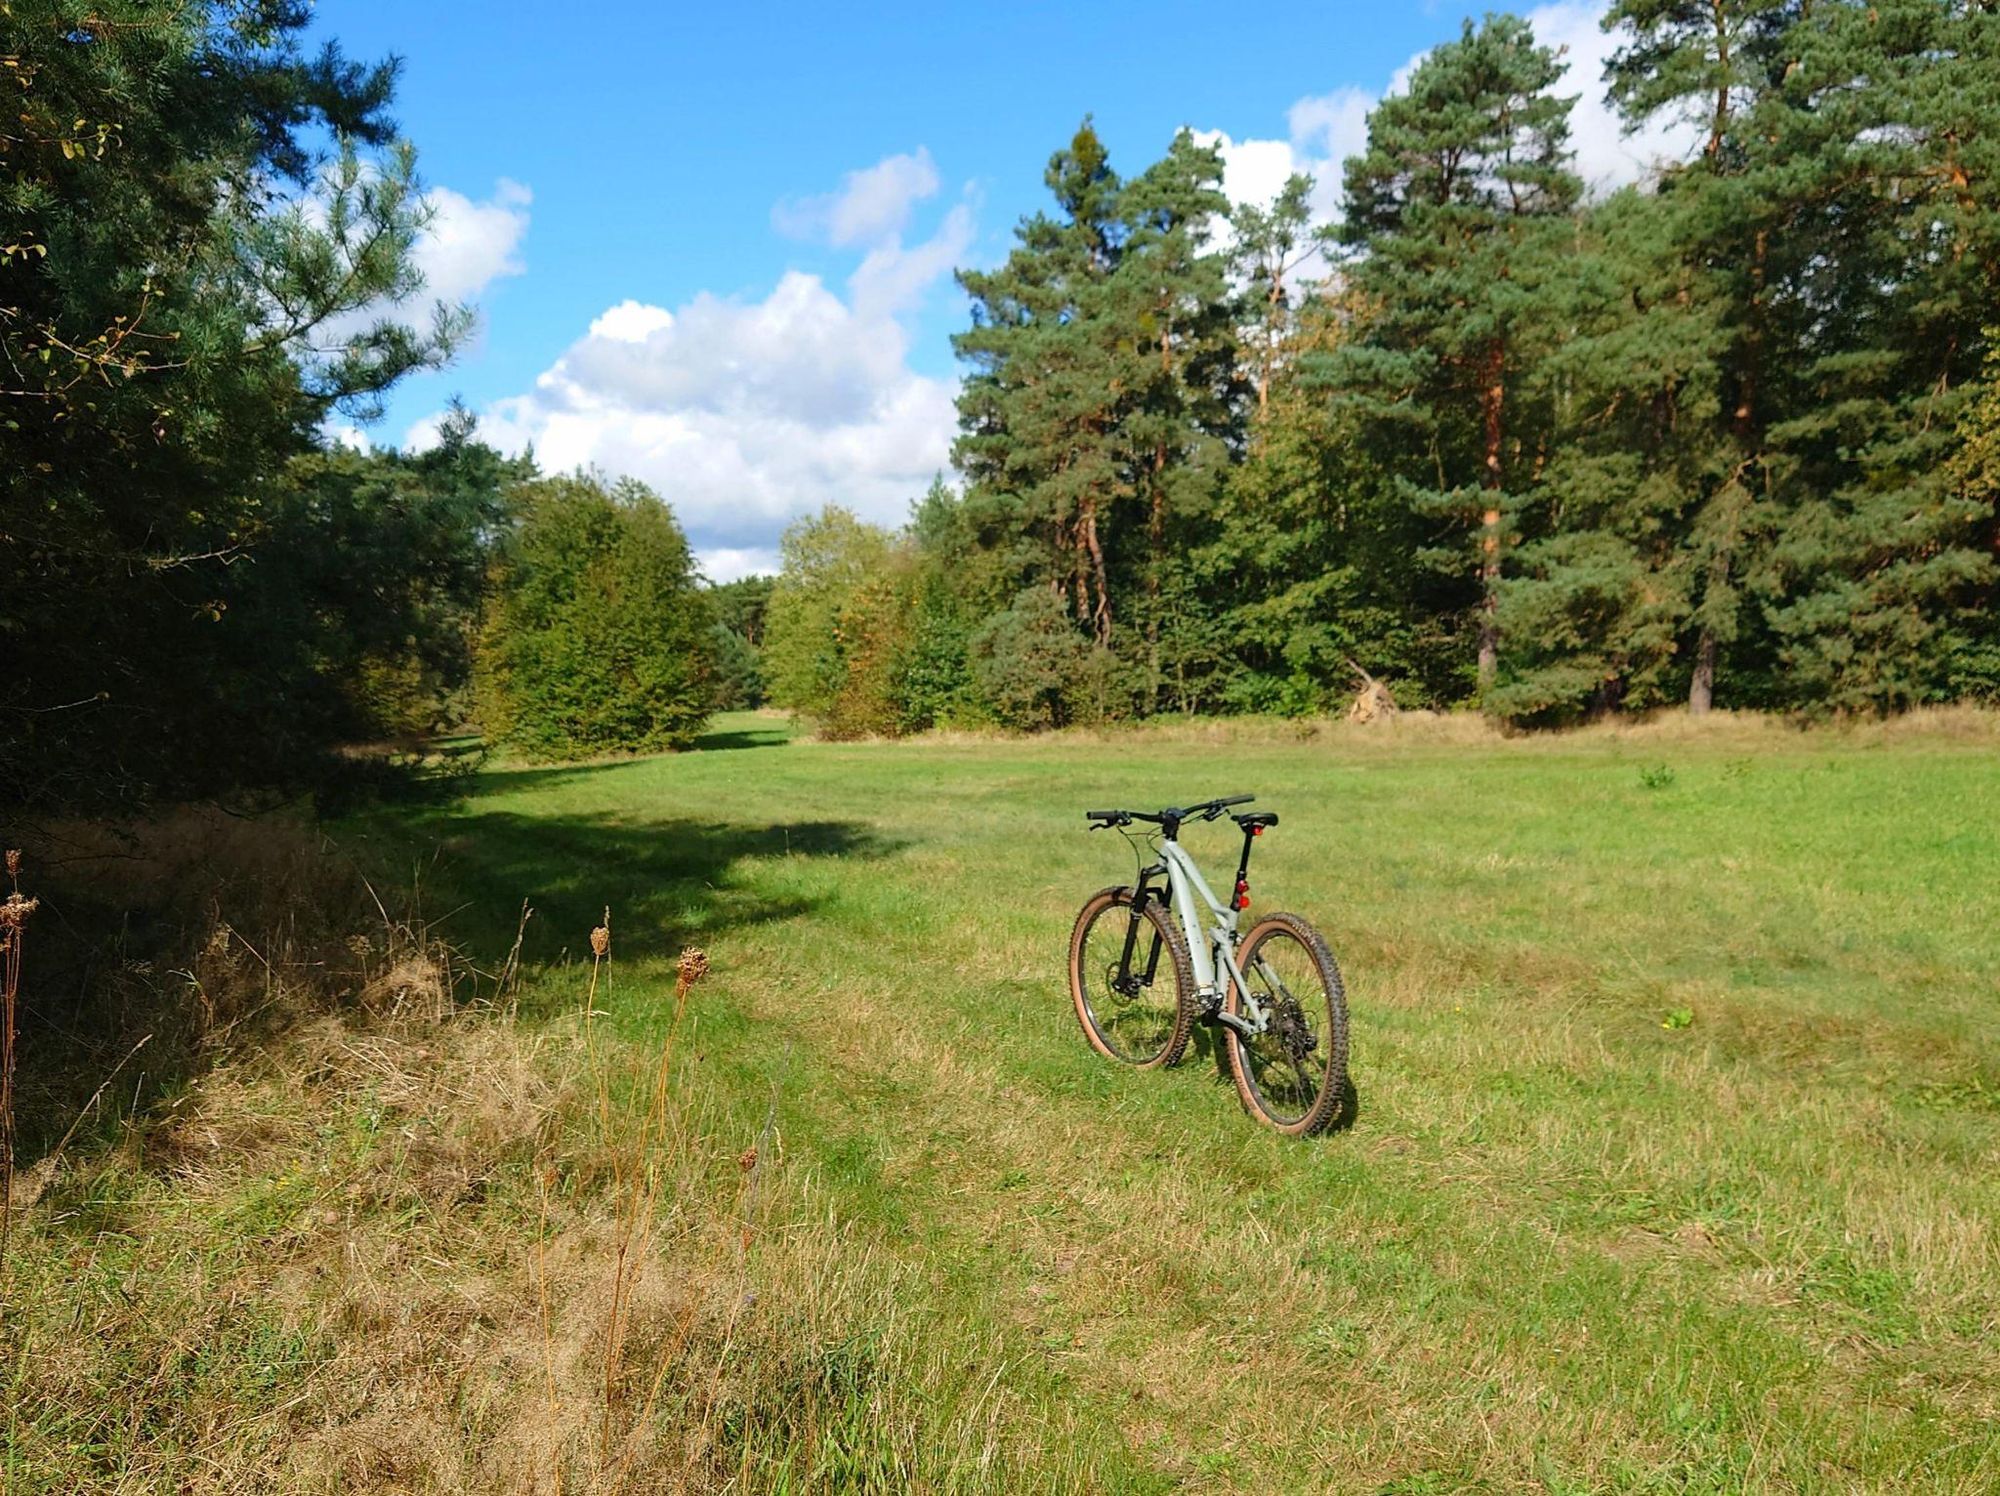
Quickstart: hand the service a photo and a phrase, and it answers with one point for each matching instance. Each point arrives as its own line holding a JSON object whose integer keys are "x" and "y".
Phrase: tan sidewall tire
{"x": 1333, "y": 1092}
{"x": 1176, "y": 950}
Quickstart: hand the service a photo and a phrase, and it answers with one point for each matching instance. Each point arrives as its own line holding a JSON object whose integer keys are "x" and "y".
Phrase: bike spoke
{"x": 1133, "y": 994}
{"x": 1286, "y": 1062}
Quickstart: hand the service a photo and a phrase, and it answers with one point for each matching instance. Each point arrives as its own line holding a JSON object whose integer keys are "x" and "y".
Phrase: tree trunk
{"x": 1268, "y": 361}
{"x": 1156, "y": 528}
{"x": 1701, "y": 694}
{"x": 1719, "y": 123}
{"x": 1749, "y": 375}
{"x": 1493, "y": 401}
{"x": 1100, "y": 618}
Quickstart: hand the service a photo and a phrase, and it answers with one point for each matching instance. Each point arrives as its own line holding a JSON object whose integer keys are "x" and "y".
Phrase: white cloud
{"x": 469, "y": 245}
{"x": 891, "y": 278}
{"x": 733, "y": 563}
{"x": 872, "y": 204}
{"x": 745, "y": 413}
{"x": 1325, "y": 129}
{"x": 631, "y": 322}
{"x": 1606, "y": 158}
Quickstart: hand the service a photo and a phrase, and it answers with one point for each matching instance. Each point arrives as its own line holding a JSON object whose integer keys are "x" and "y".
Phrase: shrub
{"x": 1034, "y": 670}
{"x": 600, "y": 639}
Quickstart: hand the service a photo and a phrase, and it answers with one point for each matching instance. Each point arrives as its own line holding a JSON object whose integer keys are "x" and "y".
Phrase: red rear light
{"x": 1242, "y": 900}
{"x": 1256, "y": 830}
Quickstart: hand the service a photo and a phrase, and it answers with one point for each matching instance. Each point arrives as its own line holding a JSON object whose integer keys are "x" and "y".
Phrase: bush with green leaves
{"x": 600, "y": 637}
{"x": 1034, "y": 669}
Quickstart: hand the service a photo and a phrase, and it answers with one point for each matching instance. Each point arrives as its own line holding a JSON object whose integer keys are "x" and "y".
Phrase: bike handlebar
{"x": 1207, "y": 810}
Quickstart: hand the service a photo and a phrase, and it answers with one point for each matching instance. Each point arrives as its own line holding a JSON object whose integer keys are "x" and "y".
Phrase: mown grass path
{"x": 1680, "y": 1090}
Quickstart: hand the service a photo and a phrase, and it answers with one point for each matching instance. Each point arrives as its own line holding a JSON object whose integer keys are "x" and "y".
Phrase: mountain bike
{"x": 1144, "y": 969}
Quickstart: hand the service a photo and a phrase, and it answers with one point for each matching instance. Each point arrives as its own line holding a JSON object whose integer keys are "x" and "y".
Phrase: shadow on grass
{"x": 764, "y": 735}
{"x": 667, "y": 883}
{"x": 1206, "y": 1052}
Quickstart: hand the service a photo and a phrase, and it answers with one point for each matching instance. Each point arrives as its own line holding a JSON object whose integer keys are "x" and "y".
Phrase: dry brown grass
{"x": 415, "y": 1243}
{"x": 1972, "y": 725}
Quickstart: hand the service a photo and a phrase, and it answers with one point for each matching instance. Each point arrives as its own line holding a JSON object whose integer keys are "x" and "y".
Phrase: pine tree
{"x": 1642, "y": 471}
{"x": 1973, "y": 659}
{"x": 1723, "y": 63}
{"x": 1039, "y": 414}
{"x": 600, "y": 637}
{"x": 1459, "y": 212}
{"x": 1889, "y": 128}
{"x": 1272, "y": 244}
{"x": 190, "y": 201}
{"x": 1180, "y": 427}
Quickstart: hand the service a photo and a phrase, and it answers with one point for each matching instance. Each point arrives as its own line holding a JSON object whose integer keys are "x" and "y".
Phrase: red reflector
{"x": 1242, "y": 894}
{"x": 1256, "y": 830}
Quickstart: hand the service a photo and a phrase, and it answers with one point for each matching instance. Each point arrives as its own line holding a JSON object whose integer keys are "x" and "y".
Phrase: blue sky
{"x": 711, "y": 247}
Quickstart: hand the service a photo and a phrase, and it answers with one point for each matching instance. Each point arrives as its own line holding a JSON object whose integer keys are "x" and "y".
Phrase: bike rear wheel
{"x": 1293, "y": 1076}
{"x": 1131, "y": 980}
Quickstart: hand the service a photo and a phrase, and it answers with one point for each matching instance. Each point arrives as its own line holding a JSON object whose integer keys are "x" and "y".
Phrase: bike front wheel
{"x": 1293, "y": 1075}
{"x": 1131, "y": 980}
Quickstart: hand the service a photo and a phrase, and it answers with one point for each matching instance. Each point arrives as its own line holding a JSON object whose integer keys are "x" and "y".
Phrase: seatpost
{"x": 1241, "y": 898}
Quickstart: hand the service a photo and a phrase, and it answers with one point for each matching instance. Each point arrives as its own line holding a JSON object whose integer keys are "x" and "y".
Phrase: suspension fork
{"x": 1137, "y": 917}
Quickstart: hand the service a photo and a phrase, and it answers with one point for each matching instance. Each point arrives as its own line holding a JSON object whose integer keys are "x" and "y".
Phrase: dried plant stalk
{"x": 14, "y": 913}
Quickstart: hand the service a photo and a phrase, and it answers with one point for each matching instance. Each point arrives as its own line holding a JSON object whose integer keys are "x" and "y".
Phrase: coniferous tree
{"x": 1273, "y": 242}
{"x": 201, "y": 226}
{"x": 1602, "y": 594}
{"x": 1889, "y": 124}
{"x": 1180, "y": 427}
{"x": 1972, "y": 662}
{"x": 1458, "y": 213}
{"x": 1039, "y": 414}
{"x": 1721, "y": 63}
{"x": 599, "y": 638}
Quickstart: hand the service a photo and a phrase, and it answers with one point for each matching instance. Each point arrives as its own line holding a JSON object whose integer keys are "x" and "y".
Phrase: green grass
{"x": 1680, "y": 1096}
{"x": 1675, "y": 1165}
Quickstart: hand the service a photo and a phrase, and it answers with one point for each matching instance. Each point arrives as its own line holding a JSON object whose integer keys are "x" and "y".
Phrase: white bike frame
{"x": 1212, "y": 950}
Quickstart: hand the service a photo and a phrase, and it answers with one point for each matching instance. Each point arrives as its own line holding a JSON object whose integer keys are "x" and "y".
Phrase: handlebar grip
{"x": 1233, "y": 800}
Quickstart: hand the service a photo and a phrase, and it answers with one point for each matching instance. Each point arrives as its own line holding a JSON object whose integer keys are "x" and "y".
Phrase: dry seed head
{"x": 694, "y": 966}
{"x": 14, "y": 911}
{"x": 600, "y": 941}
{"x": 748, "y": 1160}
{"x": 13, "y": 862}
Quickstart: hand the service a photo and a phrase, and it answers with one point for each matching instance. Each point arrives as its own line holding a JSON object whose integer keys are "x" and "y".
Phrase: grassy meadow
{"x": 1677, "y": 1163}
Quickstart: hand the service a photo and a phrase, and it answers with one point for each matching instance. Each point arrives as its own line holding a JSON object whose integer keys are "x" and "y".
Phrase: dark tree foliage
{"x": 192, "y": 261}
{"x": 368, "y": 588}
{"x": 1722, "y": 436}
{"x": 739, "y": 640}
